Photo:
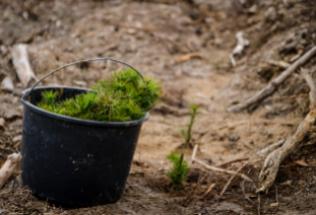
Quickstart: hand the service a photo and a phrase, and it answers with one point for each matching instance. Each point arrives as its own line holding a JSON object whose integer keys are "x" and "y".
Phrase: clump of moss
{"x": 123, "y": 97}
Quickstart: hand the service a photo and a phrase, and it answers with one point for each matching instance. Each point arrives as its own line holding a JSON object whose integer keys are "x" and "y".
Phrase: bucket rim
{"x": 70, "y": 119}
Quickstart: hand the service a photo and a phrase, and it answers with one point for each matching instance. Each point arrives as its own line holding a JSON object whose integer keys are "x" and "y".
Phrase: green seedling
{"x": 179, "y": 170}
{"x": 125, "y": 96}
{"x": 187, "y": 133}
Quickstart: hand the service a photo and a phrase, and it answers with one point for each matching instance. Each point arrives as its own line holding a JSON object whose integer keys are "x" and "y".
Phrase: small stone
{"x": 17, "y": 139}
{"x": 271, "y": 14}
{"x": 233, "y": 137}
{"x": 7, "y": 84}
{"x": 275, "y": 204}
{"x": 80, "y": 83}
{"x": 253, "y": 9}
{"x": 11, "y": 114}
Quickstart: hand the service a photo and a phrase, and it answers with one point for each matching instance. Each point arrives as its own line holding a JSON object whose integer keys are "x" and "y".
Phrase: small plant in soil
{"x": 179, "y": 170}
{"x": 125, "y": 96}
{"x": 187, "y": 133}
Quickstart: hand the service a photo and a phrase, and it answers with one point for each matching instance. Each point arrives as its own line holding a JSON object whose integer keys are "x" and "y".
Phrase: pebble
{"x": 7, "y": 84}
{"x": 17, "y": 139}
{"x": 11, "y": 114}
{"x": 271, "y": 14}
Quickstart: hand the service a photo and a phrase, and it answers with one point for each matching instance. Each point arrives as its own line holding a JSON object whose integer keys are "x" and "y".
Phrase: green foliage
{"x": 125, "y": 96}
{"x": 179, "y": 170}
{"x": 187, "y": 133}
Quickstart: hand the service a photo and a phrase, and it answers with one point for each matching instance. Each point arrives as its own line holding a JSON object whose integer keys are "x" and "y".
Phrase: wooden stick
{"x": 22, "y": 64}
{"x": 255, "y": 100}
{"x": 9, "y": 167}
{"x": 301, "y": 136}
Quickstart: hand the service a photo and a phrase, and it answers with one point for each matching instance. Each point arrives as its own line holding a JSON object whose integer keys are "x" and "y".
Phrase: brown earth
{"x": 186, "y": 46}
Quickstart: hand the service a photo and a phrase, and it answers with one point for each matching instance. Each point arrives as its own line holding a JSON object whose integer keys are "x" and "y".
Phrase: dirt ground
{"x": 186, "y": 46}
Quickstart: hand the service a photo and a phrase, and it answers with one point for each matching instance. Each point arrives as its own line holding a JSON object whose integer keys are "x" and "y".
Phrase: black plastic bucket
{"x": 74, "y": 162}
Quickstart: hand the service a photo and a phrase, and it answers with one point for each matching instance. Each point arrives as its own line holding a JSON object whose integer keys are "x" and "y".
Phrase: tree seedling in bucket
{"x": 125, "y": 96}
{"x": 179, "y": 169}
{"x": 78, "y": 144}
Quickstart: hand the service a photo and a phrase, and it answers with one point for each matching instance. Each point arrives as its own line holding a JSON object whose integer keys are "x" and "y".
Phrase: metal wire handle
{"x": 83, "y": 61}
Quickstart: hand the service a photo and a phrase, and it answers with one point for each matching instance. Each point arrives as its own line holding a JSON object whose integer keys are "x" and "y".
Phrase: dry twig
{"x": 267, "y": 91}
{"x": 214, "y": 168}
{"x": 233, "y": 161}
{"x": 221, "y": 170}
{"x": 209, "y": 189}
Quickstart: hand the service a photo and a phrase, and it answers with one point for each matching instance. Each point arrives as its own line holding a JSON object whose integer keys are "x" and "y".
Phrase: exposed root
{"x": 267, "y": 150}
{"x": 302, "y": 135}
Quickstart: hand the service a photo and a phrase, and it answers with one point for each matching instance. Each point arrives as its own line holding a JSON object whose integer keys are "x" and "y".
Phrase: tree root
{"x": 302, "y": 135}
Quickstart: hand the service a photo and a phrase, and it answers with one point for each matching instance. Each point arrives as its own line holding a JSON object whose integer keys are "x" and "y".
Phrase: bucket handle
{"x": 84, "y": 61}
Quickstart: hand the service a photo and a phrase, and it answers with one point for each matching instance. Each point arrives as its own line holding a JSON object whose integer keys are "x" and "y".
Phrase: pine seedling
{"x": 187, "y": 133}
{"x": 179, "y": 170}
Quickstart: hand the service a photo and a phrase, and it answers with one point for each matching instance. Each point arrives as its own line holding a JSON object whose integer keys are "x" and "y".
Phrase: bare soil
{"x": 186, "y": 46}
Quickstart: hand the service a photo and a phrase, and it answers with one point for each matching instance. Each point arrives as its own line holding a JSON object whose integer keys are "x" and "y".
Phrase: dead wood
{"x": 22, "y": 64}
{"x": 242, "y": 43}
{"x": 302, "y": 135}
{"x": 267, "y": 91}
{"x": 9, "y": 167}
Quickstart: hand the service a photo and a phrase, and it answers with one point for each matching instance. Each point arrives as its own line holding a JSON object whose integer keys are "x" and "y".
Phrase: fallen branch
{"x": 254, "y": 101}
{"x": 301, "y": 136}
{"x": 22, "y": 64}
{"x": 9, "y": 167}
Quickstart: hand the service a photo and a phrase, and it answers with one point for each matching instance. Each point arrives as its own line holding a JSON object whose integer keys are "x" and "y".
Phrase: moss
{"x": 125, "y": 96}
